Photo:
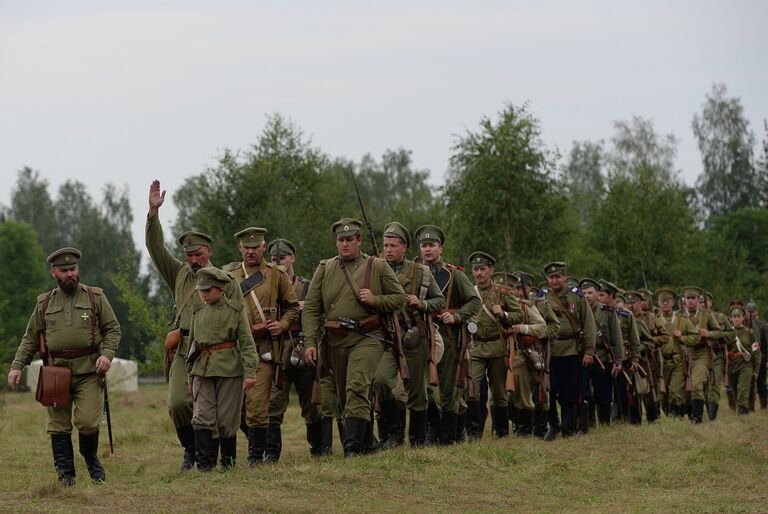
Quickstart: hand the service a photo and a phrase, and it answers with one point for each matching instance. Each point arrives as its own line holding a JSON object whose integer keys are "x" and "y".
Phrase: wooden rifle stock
{"x": 316, "y": 395}
{"x": 397, "y": 348}
{"x": 662, "y": 382}
{"x": 434, "y": 380}
{"x": 510, "y": 385}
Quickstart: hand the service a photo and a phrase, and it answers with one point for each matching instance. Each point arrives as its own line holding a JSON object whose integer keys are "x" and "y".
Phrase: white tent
{"x": 123, "y": 376}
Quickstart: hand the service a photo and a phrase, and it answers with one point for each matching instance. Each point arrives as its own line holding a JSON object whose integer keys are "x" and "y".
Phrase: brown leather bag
{"x": 53, "y": 382}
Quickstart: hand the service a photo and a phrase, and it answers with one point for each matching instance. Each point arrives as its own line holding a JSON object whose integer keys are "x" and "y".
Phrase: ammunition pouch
{"x": 259, "y": 331}
{"x": 526, "y": 340}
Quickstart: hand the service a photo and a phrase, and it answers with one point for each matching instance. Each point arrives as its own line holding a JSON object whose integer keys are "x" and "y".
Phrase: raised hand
{"x": 156, "y": 198}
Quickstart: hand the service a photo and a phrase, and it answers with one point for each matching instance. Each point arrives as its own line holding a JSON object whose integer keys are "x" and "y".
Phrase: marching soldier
{"x": 627, "y": 391}
{"x": 272, "y": 308}
{"x": 499, "y": 311}
{"x": 761, "y": 334}
{"x": 349, "y": 296}
{"x": 717, "y": 355}
{"x": 659, "y": 336}
{"x": 73, "y": 326}
{"x": 423, "y": 297}
{"x": 296, "y": 372}
{"x": 744, "y": 357}
{"x": 572, "y": 348}
{"x": 646, "y": 384}
{"x": 461, "y": 304}
{"x": 180, "y": 277}
{"x": 222, "y": 363}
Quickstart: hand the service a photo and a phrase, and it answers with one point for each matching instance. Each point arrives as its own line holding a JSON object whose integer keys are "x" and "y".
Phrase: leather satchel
{"x": 53, "y": 385}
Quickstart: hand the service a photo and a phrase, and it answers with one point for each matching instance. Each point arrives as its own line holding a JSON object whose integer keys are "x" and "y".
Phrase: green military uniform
{"x": 79, "y": 327}
{"x": 181, "y": 280}
{"x": 491, "y": 351}
{"x": 299, "y": 375}
{"x": 717, "y": 356}
{"x": 223, "y": 353}
{"x": 744, "y": 357}
{"x": 417, "y": 280}
{"x": 351, "y": 353}
{"x": 463, "y": 303}
{"x": 627, "y": 392}
{"x": 553, "y": 328}
{"x": 645, "y": 382}
{"x": 577, "y": 336}
{"x": 676, "y": 358}
{"x": 527, "y": 379}
{"x": 268, "y": 296}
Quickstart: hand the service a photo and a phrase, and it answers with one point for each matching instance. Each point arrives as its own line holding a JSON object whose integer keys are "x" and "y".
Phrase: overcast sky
{"x": 125, "y": 92}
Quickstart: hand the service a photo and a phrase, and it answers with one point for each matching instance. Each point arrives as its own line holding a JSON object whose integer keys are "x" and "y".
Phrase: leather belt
{"x": 486, "y": 339}
{"x": 218, "y": 346}
{"x": 74, "y": 354}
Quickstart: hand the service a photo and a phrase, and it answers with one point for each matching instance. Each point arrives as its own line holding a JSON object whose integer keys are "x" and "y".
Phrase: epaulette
{"x": 576, "y": 291}
{"x": 624, "y": 313}
{"x": 323, "y": 262}
{"x": 43, "y": 296}
{"x": 236, "y": 307}
{"x": 232, "y": 266}
{"x": 450, "y": 266}
{"x": 199, "y": 307}
{"x": 96, "y": 290}
{"x": 607, "y": 308}
{"x": 278, "y": 267}
{"x": 504, "y": 290}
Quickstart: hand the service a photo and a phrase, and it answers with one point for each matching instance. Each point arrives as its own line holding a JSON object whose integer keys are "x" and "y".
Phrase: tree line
{"x": 614, "y": 209}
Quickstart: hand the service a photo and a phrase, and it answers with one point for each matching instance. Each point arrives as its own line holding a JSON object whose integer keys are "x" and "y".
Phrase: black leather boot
{"x": 524, "y": 423}
{"x": 604, "y": 414}
{"x": 742, "y": 411}
{"x": 381, "y": 429}
{"x": 512, "y": 410}
{"x": 186, "y": 437}
{"x": 475, "y": 420}
{"x": 539, "y": 423}
{"x": 274, "y": 444}
{"x": 354, "y": 436}
{"x": 326, "y": 436}
{"x": 461, "y": 428}
{"x": 340, "y": 427}
{"x": 257, "y": 442}
{"x": 502, "y": 421}
{"x": 315, "y": 438}
{"x": 417, "y": 431}
{"x": 697, "y": 411}
{"x": 554, "y": 424}
{"x": 763, "y": 400}
{"x": 433, "y": 423}
{"x": 712, "y": 411}
{"x": 228, "y": 452}
{"x": 651, "y": 410}
{"x": 395, "y": 427}
{"x": 569, "y": 419}
{"x": 448, "y": 428}
{"x": 89, "y": 449}
{"x": 63, "y": 458}
{"x": 582, "y": 409}
{"x": 204, "y": 450}
{"x": 592, "y": 409}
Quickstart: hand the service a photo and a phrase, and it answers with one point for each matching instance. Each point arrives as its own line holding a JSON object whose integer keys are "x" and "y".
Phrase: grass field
{"x": 670, "y": 466}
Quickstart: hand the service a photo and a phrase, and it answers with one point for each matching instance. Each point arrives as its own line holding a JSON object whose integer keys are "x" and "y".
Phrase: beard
{"x": 195, "y": 267}
{"x": 69, "y": 285}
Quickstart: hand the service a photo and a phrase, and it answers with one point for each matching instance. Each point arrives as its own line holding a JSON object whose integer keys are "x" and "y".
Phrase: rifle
{"x": 662, "y": 382}
{"x": 465, "y": 373}
{"x": 651, "y": 381}
{"x": 277, "y": 341}
{"x": 543, "y": 374}
{"x": 316, "y": 396}
{"x": 368, "y": 225}
{"x": 434, "y": 380}
{"x": 726, "y": 380}
{"x": 107, "y": 415}
{"x": 510, "y": 386}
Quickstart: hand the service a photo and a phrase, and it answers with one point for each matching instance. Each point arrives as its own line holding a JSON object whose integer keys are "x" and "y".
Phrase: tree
{"x": 637, "y": 147}
{"x": 762, "y": 170}
{"x": 501, "y": 196}
{"x": 583, "y": 177}
{"x": 31, "y": 203}
{"x": 726, "y": 142}
{"x": 24, "y": 276}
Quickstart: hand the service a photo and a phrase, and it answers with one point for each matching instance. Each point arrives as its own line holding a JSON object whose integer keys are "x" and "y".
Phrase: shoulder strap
{"x": 43, "y": 346}
{"x": 180, "y": 307}
{"x": 92, "y": 301}
{"x": 368, "y": 272}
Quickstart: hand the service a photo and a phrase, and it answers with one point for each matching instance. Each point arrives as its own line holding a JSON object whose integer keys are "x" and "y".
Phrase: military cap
{"x": 211, "y": 277}
{"x": 666, "y": 293}
{"x": 395, "y": 229}
{"x": 608, "y": 287}
{"x": 192, "y": 240}
{"x": 429, "y": 234}
{"x": 346, "y": 227}
{"x": 737, "y": 311}
{"x": 690, "y": 291}
{"x": 572, "y": 282}
{"x": 631, "y": 297}
{"x": 647, "y": 294}
{"x": 64, "y": 258}
{"x": 505, "y": 278}
{"x": 708, "y": 294}
{"x": 542, "y": 285}
{"x": 554, "y": 267}
{"x": 524, "y": 279}
{"x": 588, "y": 282}
{"x": 620, "y": 297}
{"x": 478, "y": 259}
{"x": 286, "y": 247}
{"x": 736, "y": 302}
{"x": 251, "y": 237}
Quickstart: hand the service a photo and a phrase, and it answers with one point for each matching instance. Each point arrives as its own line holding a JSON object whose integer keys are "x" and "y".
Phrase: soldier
{"x": 222, "y": 363}
{"x": 296, "y": 372}
{"x": 461, "y": 304}
{"x": 74, "y": 327}
{"x": 717, "y": 356}
{"x": 660, "y": 336}
{"x": 699, "y": 353}
{"x": 423, "y": 297}
{"x": 499, "y": 311}
{"x": 349, "y": 295}
{"x": 610, "y": 347}
{"x": 675, "y": 363}
{"x": 744, "y": 357}
{"x": 650, "y": 336}
{"x": 529, "y": 364}
{"x": 761, "y": 331}
{"x": 572, "y": 348}
{"x": 180, "y": 277}
{"x": 629, "y": 407}
{"x": 272, "y": 308}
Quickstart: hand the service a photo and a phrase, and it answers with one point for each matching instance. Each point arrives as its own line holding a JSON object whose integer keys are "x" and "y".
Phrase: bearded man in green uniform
{"x": 423, "y": 297}
{"x": 349, "y": 296}
{"x": 500, "y": 310}
{"x": 80, "y": 332}
{"x": 180, "y": 277}
{"x": 461, "y": 304}
{"x": 272, "y": 308}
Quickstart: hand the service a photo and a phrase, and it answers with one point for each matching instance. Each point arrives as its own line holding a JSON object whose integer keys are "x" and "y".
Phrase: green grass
{"x": 670, "y": 466}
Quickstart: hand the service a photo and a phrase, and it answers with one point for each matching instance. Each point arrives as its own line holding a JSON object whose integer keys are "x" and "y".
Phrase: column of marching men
{"x": 387, "y": 342}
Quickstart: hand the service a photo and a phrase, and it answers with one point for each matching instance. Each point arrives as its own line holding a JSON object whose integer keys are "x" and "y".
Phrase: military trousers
{"x": 740, "y": 377}
{"x": 714, "y": 388}
{"x": 85, "y": 409}
{"x": 700, "y": 374}
{"x": 353, "y": 369}
{"x": 565, "y": 379}
{"x": 450, "y": 395}
{"x": 676, "y": 382}
{"x": 598, "y": 384}
{"x": 495, "y": 368}
{"x": 385, "y": 378}
{"x": 526, "y": 384}
{"x": 179, "y": 398}
{"x": 302, "y": 379}
{"x": 217, "y": 403}
{"x": 256, "y": 402}
{"x": 329, "y": 400}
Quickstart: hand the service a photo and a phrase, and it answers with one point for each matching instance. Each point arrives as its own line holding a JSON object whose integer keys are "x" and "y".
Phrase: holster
{"x": 53, "y": 385}
{"x": 370, "y": 323}
{"x": 259, "y": 330}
